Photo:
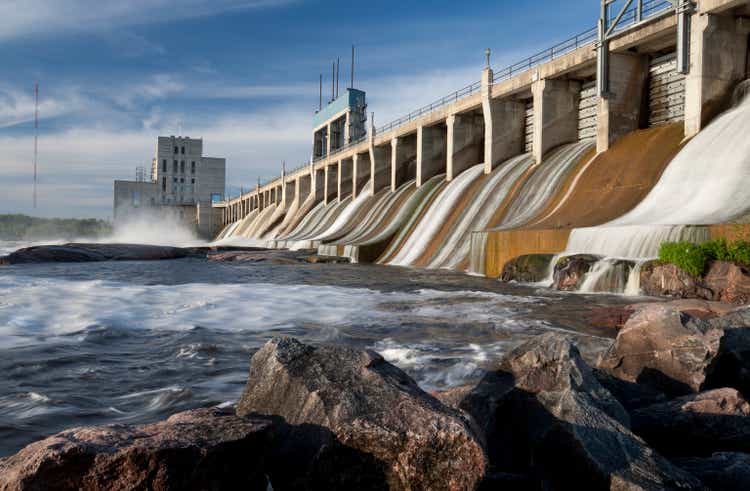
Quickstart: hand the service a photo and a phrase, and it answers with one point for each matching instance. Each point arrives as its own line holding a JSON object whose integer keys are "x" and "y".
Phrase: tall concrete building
{"x": 183, "y": 183}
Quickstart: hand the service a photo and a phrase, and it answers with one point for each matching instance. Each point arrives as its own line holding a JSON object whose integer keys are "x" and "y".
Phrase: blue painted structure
{"x": 351, "y": 98}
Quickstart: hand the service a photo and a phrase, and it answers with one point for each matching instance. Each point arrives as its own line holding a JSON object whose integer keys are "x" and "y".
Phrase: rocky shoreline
{"x": 663, "y": 408}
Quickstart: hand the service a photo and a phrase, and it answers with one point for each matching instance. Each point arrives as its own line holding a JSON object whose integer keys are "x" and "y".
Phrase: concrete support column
{"x": 345, "y": 173}
{"x": 330, "y": 191}
{"x": 621, "y": 111}
{"x": 360, "y": 173}
{"x": 319, "y": 184}
{"x": 465, "y": 134}
{"x": 380, "y": 167}
{"x": 504, "y": 123}
{"x": 403, "y": 152}
{"x": 431, "y": 152}
{"x": 718, "y": 61}
{"x": 347, "y": 127}
{"x": 555, "y": 114}
{"x": 303, "y": 188}
{"x": 329, "y": 140}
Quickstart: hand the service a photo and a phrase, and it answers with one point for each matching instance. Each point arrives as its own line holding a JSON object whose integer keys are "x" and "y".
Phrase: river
{"x": 131, "y": 342}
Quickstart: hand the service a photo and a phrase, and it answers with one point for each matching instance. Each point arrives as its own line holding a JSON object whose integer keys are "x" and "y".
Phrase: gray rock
{"x": 204, "y": 449}
{"x": 95, "y": 252}
{"x": 698, "y": 424}
{"x": 570, "y": 271}
{"x": 724, "y": 471}
{"x": 545, "y": 414}
{"x": 348, "y": 406}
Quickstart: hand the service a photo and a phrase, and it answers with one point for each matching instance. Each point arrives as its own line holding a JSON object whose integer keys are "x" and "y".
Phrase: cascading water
{"x": 435, "y": 216}
{"x": 456, "y": 246}
{"x": 343, "y": 222}
{"x": 478, "y": 253}
{"x": 708, "y": 182}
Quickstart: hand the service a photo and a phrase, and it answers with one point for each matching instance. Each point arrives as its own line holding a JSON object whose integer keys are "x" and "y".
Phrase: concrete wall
{"x": 345, "y": 173}
{"x": 718, "y": 61}
{"x": 621, "y": 111}
{"x": 360, "y": 173}
{"x": 555, "y": 114}
{"x": 403, "y": 160}
{"x": 331, "y": 189}
{"x": 380, "y": 167}
{"x": 431, "y": 152}
{"x": 465, "y": 142}
{"x": 504, "y": 122}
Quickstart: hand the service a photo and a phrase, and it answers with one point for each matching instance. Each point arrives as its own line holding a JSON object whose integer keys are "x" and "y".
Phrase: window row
{"x": 175, "y": 166}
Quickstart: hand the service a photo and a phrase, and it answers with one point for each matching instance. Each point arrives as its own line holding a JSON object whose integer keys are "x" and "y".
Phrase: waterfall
{"x": 607, "y": 275}
{"x": 633, "y": 287}
{"x": 435, "y": 216}
{"x": 344, "y": 221}
{"x": 543, "y": 184}
{"x": 708, "y": 181}
{"x": 634, "y": 242}
{"x": 455, "y": 248}
{"x": 478, "y": 254}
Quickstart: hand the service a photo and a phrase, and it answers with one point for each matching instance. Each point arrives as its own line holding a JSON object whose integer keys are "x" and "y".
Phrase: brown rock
{"x": 199, "y": 449}
{"x": 723, "y": 282}
{"x": 698, "y": 424}
{"x": 729, "y": 282}
{"x": 660, "y": 347}
{"x": 679, "y": 354}
{"x": 611, "y": 317}
{"x": 530, "y": 268}
{"x": 724, "y": 471}
{"x": 570, "y": 271}
{"x": 667, "y": 280}
{"x": 546, "y": 415}
{"x": 352, "y": 406}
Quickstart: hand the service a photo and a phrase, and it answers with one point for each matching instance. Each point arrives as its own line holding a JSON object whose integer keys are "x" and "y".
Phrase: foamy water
{"x": 136, "y": 341}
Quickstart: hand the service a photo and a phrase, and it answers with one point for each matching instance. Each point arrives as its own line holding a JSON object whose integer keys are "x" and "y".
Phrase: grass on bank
{"x": 694, "y": 258}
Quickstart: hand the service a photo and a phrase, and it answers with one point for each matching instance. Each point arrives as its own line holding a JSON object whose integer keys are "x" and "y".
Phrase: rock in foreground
{"x": 359, "y": 417}
{"x": 204, "y": 449}
{"x": 723, "y": 281}
{"x": 725, "y": 471}
{"x": 679, "y": 354}
{"x": 78, "y": 253}
{"x": 546, "y": 415}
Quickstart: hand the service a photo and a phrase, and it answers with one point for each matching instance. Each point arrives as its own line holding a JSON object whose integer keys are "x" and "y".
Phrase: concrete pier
{"x": 360, "y": 173}
{"x": 431, "y": 151}
{"x": 465, "y": 142}
{"x": 555, "y": 114}
{"x": 380, "y": 167}
{"x": 403, "y": 154}
{"x": 346, "y": 171}
{"x": 331, "y": 190}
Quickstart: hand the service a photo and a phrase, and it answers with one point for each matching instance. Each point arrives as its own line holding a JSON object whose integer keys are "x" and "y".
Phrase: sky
{"x": 241, "y": 74}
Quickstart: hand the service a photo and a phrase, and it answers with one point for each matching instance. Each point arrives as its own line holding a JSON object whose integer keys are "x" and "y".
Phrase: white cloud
{"x": 23, "y": 18}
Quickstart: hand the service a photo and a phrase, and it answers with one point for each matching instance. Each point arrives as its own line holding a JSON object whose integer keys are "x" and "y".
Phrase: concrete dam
{"x": 623, "y": 137}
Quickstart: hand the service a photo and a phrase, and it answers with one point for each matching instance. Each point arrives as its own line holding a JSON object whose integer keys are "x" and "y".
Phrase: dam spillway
{"x": 559, "y": 157}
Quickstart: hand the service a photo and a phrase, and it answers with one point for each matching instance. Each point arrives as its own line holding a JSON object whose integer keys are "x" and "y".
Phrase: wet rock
{"x": 452, "y": 397}
{"x": 631, "y": 395}
{"x": 698, "y": 424}
{"x": 723, "y": 282}
{"x": 530, "y": 268}
{"x": 570, "y": 271}
{"x": 664, "y": 349}
{"x": 726, "y": 471}
{"x": 611, "y": 317}
{"x": 95, "y": 252}
{"x": 317, "y": 259}
{"x": 729, "y": 282}
{"x": 678, "y": 354}
{"x": 266, "y": 256}
{"x": 199, "y": 449}
{"x": 346, "y": 406}
{"x": 545, "y": 414}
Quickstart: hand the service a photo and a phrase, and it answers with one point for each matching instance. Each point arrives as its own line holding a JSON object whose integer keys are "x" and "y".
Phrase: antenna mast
{"x": 36, "y": 135}
{"x": 352, "y": 86}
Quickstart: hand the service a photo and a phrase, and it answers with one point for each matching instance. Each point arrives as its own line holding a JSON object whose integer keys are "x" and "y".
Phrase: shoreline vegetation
{"x": 23, "y": 227}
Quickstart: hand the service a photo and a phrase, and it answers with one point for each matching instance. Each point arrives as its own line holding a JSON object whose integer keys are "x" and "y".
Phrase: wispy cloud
{"x": 23, "y": 18}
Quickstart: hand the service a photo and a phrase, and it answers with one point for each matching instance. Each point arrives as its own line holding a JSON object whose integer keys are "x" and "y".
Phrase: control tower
{"x": 339, "y": 123}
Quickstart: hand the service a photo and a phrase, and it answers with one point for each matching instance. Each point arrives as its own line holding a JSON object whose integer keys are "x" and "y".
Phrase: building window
{"x": 164, "y": 165}
{"x": 183, "y": 150}
{"x": 174, "y": 179}
{"x": 182, "y": 179}
{"x": 175, "y": 150}
{"x": 192, "y": 181}
{"x": 163, "y": 183}
{"x": 182, "y": 166}
{"x": 192, "y": 167}
{"x": 174, "y": 166}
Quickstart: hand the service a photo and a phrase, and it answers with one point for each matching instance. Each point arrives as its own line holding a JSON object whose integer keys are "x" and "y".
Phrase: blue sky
{"x": 242, "y": 74}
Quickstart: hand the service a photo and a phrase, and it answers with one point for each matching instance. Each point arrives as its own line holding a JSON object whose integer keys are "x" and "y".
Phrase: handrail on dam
{"x": 632, "y": 16}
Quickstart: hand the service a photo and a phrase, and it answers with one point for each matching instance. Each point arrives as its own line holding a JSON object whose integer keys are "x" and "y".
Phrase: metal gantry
{"x": 632, "y": 13}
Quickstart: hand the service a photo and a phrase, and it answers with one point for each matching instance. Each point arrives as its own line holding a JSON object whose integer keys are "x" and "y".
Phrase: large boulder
{"x": 725, "y": 471}
{"x": 95, "y": 252}
{"x": 530, "y": 268}
{"x": 570, "y": 271}
{"x": 698, "y": 424}
{"x": 200, "y": 449}
{"x": 545, "y": 414}
{"x": 723, "y": 282}
{"x": 360, "y": 417}
{"x": 679, "y": 354}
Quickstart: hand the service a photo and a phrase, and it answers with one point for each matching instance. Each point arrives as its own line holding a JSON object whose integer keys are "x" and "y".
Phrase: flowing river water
{"x": 131, "y": 342}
